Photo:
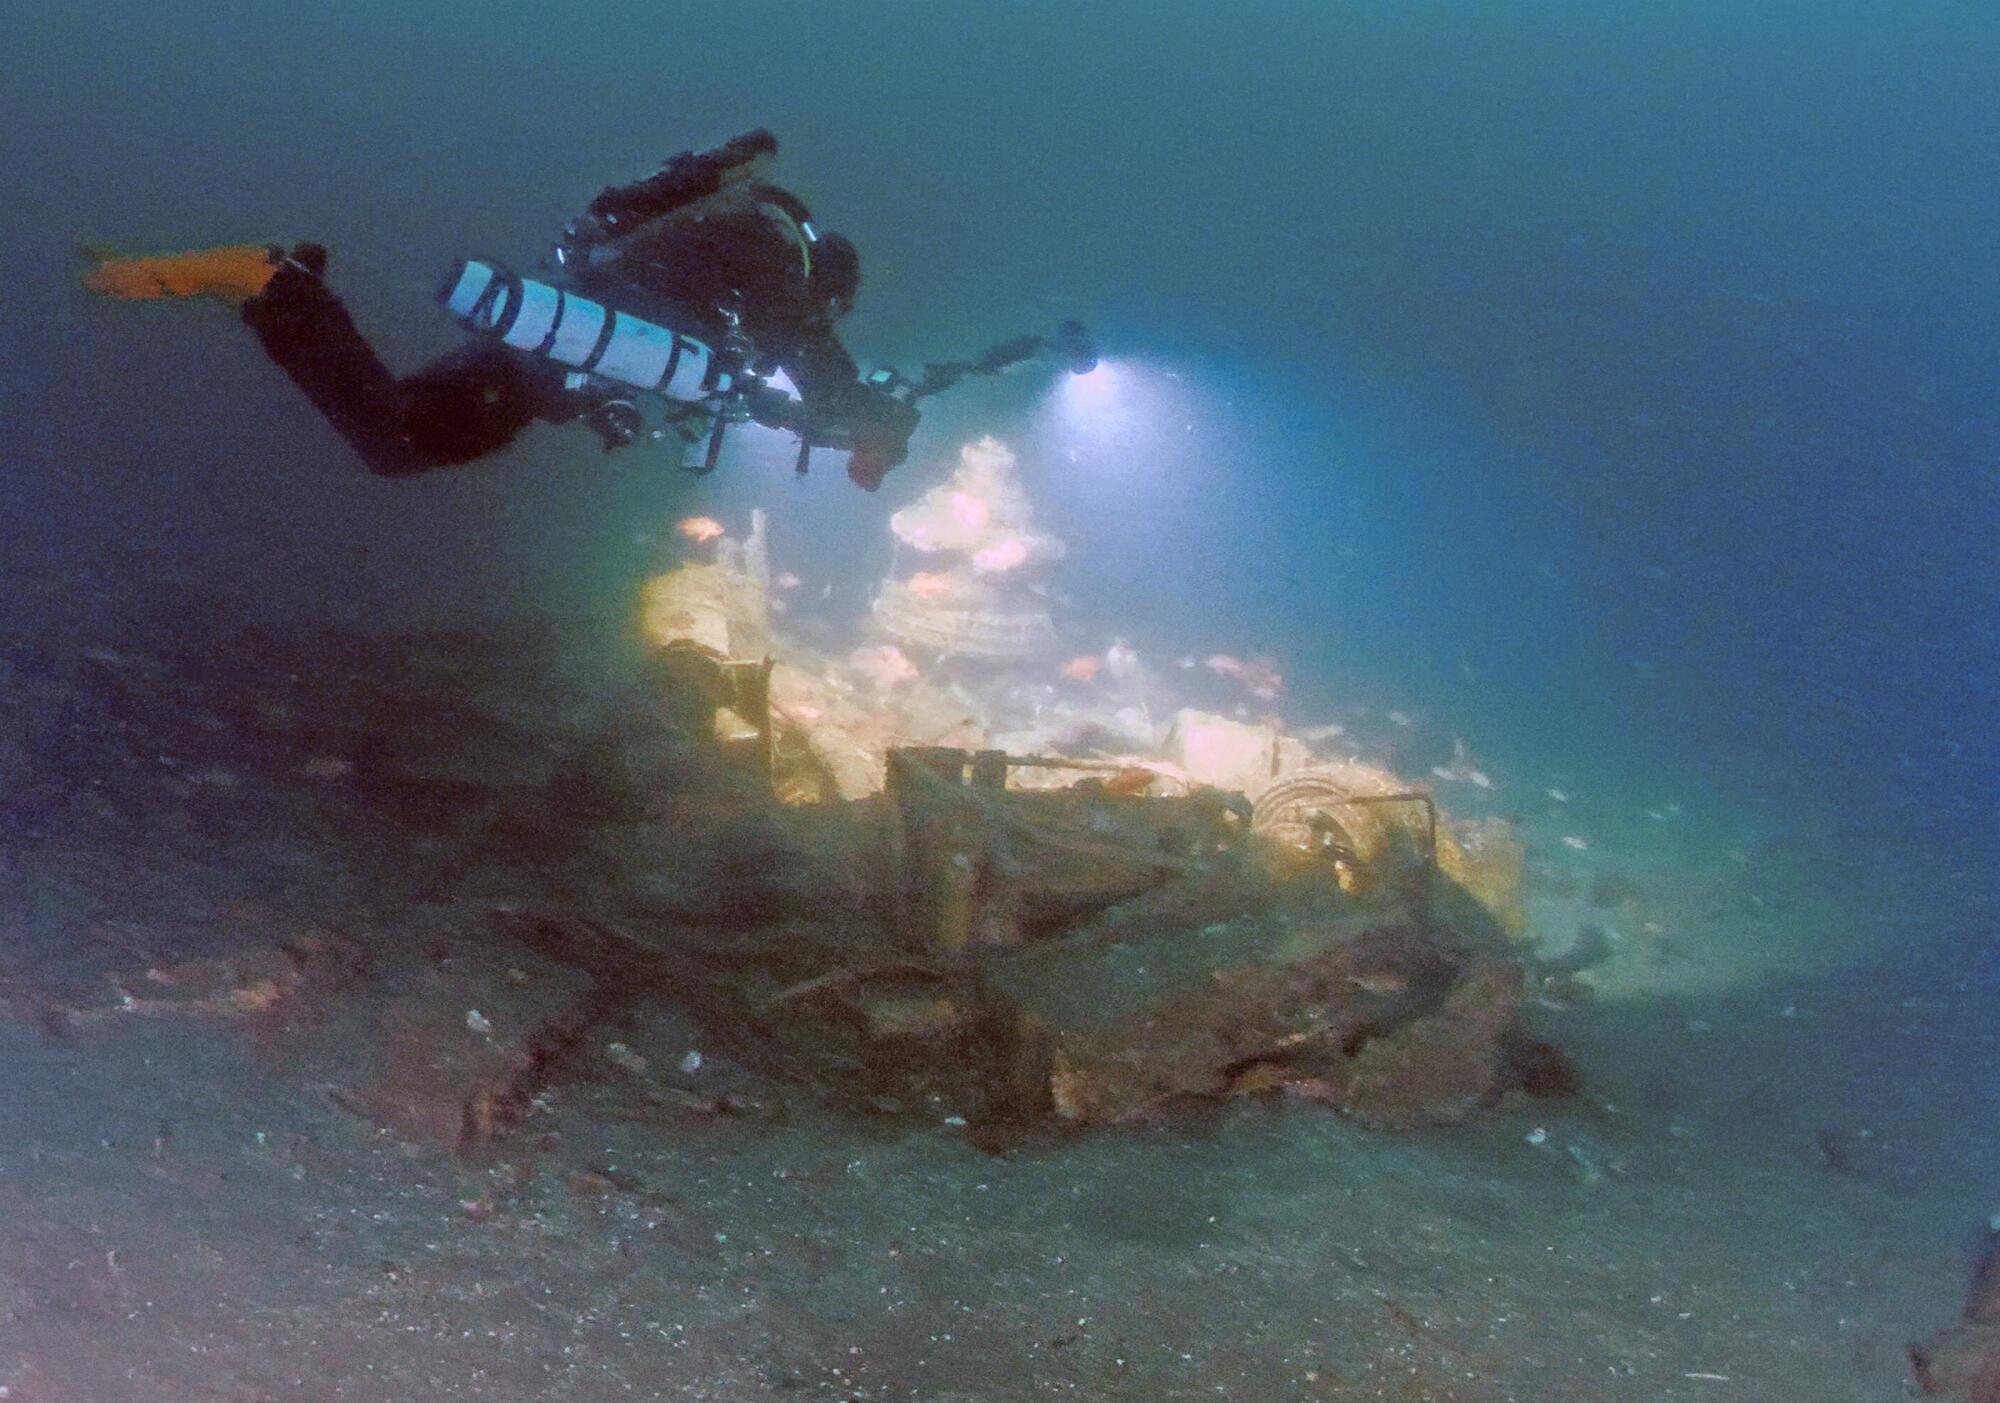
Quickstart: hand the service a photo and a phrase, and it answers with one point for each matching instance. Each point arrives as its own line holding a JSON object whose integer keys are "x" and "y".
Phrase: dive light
{"x": 1074, "y": 343}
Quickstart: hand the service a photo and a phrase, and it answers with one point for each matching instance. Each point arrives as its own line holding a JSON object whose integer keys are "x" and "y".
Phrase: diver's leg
{"x": 310, "y": 336}
{"x": 302, "y": 325}
{"x": 462, "y": 406}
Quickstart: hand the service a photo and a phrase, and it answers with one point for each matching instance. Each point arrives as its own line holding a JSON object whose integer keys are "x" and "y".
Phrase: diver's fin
{"x": 233, "y": 272}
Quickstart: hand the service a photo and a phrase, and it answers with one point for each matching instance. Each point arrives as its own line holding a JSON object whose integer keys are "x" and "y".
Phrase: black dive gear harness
{"x": 622, "y": 214}
{"x": 875, "y": 415}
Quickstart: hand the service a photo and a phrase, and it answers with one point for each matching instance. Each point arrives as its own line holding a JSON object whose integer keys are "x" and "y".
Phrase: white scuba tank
{"x": 574, "y": 331}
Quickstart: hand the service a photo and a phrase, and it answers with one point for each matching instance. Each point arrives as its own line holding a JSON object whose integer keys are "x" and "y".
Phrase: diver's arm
{"x": 839, "y": 411}
{"x": 820, "y": 366}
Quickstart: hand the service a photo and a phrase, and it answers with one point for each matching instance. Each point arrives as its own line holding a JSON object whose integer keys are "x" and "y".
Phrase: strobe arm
{"x": 1071, "y": 341}
{"x": 875, "y": 417}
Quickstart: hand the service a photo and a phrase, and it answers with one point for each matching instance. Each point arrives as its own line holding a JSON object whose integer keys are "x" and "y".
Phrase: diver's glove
{"x": 880, "y": 445}
{"x": 866, "y": 468}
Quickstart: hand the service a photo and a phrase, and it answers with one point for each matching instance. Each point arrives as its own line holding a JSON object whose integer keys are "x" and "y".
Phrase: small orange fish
{"x": 926, "y": 585}
{"x": 700, "y": 529}
{"x": 1082, "y": 669}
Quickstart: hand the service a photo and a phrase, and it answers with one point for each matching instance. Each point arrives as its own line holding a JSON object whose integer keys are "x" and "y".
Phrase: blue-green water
{"x": 1629, "y": 364}
{"x": 1610, "y": 385}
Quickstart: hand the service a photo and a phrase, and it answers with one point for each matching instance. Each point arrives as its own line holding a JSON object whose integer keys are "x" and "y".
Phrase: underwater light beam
{"x": 1090, "y": 389}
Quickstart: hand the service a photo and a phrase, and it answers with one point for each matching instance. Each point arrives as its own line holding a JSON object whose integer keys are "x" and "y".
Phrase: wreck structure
{"x": 1082, "y": 938}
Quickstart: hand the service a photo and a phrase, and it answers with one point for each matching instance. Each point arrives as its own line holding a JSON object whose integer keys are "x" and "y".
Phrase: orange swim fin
{"x": 233, "y": 272}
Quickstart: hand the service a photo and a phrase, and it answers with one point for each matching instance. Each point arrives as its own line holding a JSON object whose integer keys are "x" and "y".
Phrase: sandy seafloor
{"x": 1769, "y": 1189}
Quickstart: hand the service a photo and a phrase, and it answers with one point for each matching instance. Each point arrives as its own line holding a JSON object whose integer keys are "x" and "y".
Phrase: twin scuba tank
{"x": 586, "y": 336}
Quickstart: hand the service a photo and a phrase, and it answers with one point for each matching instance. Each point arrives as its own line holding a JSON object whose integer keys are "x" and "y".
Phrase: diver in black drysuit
{"x": 698, "y": 246}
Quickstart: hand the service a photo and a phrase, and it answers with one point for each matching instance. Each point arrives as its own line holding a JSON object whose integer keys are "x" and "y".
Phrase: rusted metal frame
{"x": 1423, "y": 903}
{"x": 1410, "y": 797}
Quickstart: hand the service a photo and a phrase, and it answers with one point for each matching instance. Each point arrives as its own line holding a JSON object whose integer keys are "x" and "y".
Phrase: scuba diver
{"x": 694, "y": 286}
